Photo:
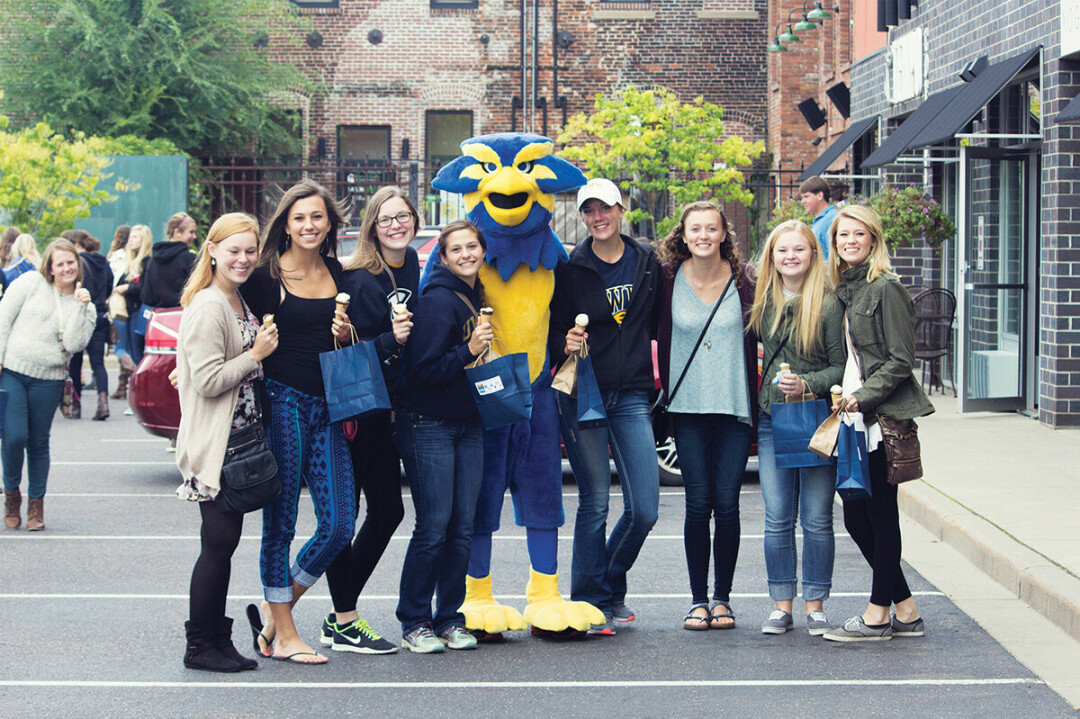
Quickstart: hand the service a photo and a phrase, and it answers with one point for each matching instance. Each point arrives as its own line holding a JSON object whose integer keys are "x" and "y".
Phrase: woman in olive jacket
{"x": 881, "y": 327}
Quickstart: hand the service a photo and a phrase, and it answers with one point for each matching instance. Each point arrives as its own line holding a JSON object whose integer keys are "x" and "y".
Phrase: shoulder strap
{"x": 704, "y": 329}
{"x": 775, "y": 354}
{"x": 390, "y": 272}
{"x": 463, "y": 298}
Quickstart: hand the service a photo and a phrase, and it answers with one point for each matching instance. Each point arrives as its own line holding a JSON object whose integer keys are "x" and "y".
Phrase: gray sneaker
{"x": 916, "y": 628}
{"x": 422, "y": 641}
{"x": 622, "y": 613}
{"x": 817, "y": 623}
{"x": 457, "y": 637}
{"x": 607, "y": 629}
{"x": 778, "y": 622}
{"x": 856, "y": 630}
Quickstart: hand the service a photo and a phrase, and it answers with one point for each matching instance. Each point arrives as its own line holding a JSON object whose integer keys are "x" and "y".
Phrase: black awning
{"x": 901, "y": 137}
{"x": 1071, "y": 113}
{"x": 972, "y": 97}
{"x": 833, "y": 151}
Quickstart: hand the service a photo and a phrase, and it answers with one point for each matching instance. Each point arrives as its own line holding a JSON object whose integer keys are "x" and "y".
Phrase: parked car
{"x": 425, "y": 240}
{"x": 153, "y": 400}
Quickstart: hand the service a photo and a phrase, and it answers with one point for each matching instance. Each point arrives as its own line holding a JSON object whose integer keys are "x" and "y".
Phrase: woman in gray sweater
{"x": 219, "y": 365}
{"x": 45, "y": 317}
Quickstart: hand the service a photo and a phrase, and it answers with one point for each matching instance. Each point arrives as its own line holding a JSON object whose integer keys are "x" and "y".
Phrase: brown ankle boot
{"x": 12, "y": 505}
{"x": 102, "y": 406}
{"x": 35, "y": 514}
{"x": 121, "y": 384}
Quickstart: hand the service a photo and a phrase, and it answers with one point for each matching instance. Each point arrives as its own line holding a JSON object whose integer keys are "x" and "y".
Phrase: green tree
{"x": 657, "y": 147}
{"x": 186, "y": 70}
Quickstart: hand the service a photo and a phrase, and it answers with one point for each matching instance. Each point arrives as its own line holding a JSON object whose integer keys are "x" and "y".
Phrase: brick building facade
{"x": 1009, "y": 176}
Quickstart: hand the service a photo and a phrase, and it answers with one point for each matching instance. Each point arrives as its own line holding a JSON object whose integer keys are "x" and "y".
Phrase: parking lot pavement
{"x": 93, "y": 612}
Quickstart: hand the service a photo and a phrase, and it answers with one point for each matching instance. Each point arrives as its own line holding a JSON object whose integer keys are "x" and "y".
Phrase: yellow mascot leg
{"x": 483, "y": 613}
{"x": 547, "y": 609}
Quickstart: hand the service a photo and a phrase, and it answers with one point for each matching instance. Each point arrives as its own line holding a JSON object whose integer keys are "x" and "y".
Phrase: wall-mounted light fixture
{"x": 314, "y": 39}
{"x": 817, "y": 141}
{"x": 818, "y": 13}
{"x": 812, "y": 113}
{"x": 973, "y": 68}
{"x": 565, "y": 38}
{"x": 374, "y": 37}
{"x": 485, "y": 39}
{"x": 261, "y": 40}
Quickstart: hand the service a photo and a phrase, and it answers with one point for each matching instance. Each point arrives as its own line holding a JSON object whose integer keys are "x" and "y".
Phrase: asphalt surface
{"x": 93, "y": 608}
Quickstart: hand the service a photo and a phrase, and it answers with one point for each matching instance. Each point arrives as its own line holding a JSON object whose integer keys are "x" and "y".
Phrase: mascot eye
{"x": 526, "y": 166}
{"x": 490, "y": 167}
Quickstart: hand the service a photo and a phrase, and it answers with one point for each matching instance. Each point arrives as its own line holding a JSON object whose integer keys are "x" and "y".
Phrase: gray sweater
{"x": 30, "y": 328}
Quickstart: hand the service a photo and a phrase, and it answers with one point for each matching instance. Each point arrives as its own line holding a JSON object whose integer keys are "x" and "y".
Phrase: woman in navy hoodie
{"x": 441, "y": 441}
{"x": 382, "y": 274}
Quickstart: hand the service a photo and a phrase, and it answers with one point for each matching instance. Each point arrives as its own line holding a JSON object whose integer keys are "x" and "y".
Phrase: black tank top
{"x": 303, "y": 333}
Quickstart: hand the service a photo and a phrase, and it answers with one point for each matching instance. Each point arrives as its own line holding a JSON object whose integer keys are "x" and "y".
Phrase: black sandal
{"x": 254, "y": 617}
{"x": 714, "y": 617}
{"x": 702, "y": 622}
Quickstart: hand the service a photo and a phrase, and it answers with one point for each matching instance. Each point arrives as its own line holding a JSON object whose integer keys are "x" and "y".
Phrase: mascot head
{"x": 508, "y": 181}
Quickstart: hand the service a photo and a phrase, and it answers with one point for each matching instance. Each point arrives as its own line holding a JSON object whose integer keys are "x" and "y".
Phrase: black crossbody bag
{"x": 249, "y": 474}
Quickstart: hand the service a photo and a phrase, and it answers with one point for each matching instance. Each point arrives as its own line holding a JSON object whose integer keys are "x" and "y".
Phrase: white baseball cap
{"x": 600, "y": 189}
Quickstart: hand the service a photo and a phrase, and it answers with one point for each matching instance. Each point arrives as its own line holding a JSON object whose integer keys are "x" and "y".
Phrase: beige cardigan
{"x": 211, "y": 364}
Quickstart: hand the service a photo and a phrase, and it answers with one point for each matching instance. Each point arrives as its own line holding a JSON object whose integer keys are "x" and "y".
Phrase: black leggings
{"x": 874, "y": 524}
{"x": 378, "y": 474}
{"x": 95, "y": 351}
{"x": 210, "y": 579}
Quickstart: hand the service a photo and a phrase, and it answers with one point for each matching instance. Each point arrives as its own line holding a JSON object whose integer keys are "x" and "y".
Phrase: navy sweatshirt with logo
{"x": 438, "y": 350}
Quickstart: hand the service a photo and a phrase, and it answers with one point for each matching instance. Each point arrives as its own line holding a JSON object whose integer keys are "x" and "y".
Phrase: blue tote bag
{"x": 852, "y": 463}
{"x": 500, "y": 387}
{"x": 141, "y": 320}
{"x": 353, "y": 380}
{"x": 794, "y": 423}
{"x": 590, "y": 403}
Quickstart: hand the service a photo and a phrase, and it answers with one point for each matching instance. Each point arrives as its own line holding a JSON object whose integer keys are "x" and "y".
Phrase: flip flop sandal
{"x": 254, "y": 617}
{"x": 291, "y": 658}
{"x": 700, "y": 623}
{"x": 714, "y": 618}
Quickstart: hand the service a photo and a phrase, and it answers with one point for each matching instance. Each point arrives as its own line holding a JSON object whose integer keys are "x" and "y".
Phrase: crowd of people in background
{"x": 260, "y": 307}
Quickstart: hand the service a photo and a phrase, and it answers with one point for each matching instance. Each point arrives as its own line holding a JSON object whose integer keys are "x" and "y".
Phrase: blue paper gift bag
{"x": 501, "y": 388}
{"x": 590, "y": 403}
{"x": 793, "y": 424}
{"x": 142, "y": 320}
{"x": 852, "y": 463}
{"x": 353, "y": 380}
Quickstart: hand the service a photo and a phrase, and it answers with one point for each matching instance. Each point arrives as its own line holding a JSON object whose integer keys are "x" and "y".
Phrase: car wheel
{"x": 668, "y": 460}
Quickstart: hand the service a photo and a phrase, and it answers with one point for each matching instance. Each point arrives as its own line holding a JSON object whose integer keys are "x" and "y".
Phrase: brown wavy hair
{"x": 275, "y": 238}
{"x": 674, "y": 250}
{"x": 444, "y": 236}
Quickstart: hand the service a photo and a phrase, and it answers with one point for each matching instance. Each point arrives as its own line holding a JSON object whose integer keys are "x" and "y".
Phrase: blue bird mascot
{"x": 508, "y": 181}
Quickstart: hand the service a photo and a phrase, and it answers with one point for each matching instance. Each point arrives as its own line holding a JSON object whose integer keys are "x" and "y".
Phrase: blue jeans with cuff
{"x": 804, "y": 494}
{"x": 31, "y": 406}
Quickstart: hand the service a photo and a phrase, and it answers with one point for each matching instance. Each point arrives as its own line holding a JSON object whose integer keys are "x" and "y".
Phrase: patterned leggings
{"x": 307, "y": 447}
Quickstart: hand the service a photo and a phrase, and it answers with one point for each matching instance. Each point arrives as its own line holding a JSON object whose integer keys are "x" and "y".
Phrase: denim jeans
{"x": 121, "y": 347}
{"x": 598, "y": 571}
{"x": 712, "y": 456}
{"x": 95, "y": 351}
{"x": 444, "y": 461}
{"x": 805, "y": 494}
{"x": 310, "y": 449}
{"x": 31, "y": 405}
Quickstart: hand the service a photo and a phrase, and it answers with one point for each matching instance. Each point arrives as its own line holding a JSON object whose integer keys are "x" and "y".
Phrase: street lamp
{"x": 776, "y": 46}
{"x": 818, "y": 13}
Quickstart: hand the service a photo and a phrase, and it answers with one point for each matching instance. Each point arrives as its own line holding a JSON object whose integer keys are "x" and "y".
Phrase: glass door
{"x": 992, "y": 279}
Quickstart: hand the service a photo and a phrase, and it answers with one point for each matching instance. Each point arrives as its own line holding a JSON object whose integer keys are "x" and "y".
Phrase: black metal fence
{"x": 239, "y": 184}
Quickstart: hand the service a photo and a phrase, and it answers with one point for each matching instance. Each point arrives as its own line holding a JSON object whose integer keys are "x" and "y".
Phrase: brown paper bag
{"x": 565, "y": 379}
{"x": 488, "y": 355}
{"x": 823, "y": 443}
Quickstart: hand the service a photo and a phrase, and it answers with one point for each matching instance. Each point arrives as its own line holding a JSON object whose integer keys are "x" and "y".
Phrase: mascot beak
{"x": 509, "y": 195}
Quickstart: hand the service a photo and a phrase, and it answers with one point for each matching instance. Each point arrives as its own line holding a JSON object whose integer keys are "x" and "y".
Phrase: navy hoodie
{"x": 97, "y": 279}
{"x": 165, "y": 274}
{"x": 369, "y": 310}
{"x": 438, "y": 350}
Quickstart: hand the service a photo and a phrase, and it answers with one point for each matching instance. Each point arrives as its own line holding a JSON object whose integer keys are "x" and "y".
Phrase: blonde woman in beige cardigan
{"x": 218, "y": 361}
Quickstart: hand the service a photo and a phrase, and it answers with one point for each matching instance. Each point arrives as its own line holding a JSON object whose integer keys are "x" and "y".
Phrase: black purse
{"x": 249, "y": 474}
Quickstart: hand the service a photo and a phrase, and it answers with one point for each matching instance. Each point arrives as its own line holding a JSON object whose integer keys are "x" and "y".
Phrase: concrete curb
{"x": 1032, "y": 577}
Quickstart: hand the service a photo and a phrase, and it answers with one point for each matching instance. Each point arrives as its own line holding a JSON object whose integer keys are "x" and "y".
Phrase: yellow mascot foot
{"x": 483, "y": 613}
{"x": 547, "y": 609}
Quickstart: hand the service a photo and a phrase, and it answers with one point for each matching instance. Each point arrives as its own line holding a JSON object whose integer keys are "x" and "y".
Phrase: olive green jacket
{"x": 821, "y": 367}
{"x": 881, "y": 321}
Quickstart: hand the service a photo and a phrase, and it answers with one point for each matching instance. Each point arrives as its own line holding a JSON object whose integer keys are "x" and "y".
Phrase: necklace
{"x": 292, "y": 279}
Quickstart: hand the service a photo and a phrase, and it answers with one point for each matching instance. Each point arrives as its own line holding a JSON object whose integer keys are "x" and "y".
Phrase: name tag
{"x": 489, "y": 386}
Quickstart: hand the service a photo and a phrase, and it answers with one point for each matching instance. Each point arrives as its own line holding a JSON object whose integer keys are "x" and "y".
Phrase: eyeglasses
{"x": 401, "y": 217}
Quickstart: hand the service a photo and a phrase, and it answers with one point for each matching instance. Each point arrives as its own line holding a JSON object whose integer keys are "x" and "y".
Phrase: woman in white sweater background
{"x": 45, "y": 316}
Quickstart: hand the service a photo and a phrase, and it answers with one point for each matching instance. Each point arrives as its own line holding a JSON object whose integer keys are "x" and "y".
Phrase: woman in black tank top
{"x": 297, "y": 281}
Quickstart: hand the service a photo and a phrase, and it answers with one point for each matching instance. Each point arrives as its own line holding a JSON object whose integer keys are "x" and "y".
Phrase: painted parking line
{"x": 255, "y": 537}
{"x": 393, "y": 597}
{"x": 112, "y": 463}
{"x": 600, "y": 684}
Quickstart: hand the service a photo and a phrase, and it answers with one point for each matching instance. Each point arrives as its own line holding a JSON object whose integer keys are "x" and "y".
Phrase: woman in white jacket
{"x": 218, "y": 364}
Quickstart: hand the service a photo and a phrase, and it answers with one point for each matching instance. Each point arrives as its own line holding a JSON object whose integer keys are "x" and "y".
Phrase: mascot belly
{"x": 508, "y": 181}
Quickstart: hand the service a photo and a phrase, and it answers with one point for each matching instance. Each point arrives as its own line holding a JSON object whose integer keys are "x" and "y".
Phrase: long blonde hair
{"x": 135, "y": 259}
{"x": 25, "y": 246}
{"x": 202, "y": 274}
{"x": 769, "y": 293}
{"x": 879, "y": 251}
{"x": 367, "y": 255}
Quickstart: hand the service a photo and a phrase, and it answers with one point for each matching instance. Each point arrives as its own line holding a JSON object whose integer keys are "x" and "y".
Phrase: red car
{"x": 155, "y": 403}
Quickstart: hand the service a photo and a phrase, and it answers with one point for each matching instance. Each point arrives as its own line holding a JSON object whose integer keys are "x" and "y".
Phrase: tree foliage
{"x": 186, "y": 70}
{"x": 655, "y": 147}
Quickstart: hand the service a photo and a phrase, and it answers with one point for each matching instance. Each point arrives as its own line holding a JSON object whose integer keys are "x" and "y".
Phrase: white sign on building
{"x": 906, "y": 54}
{"x": 1070, "y": 27}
